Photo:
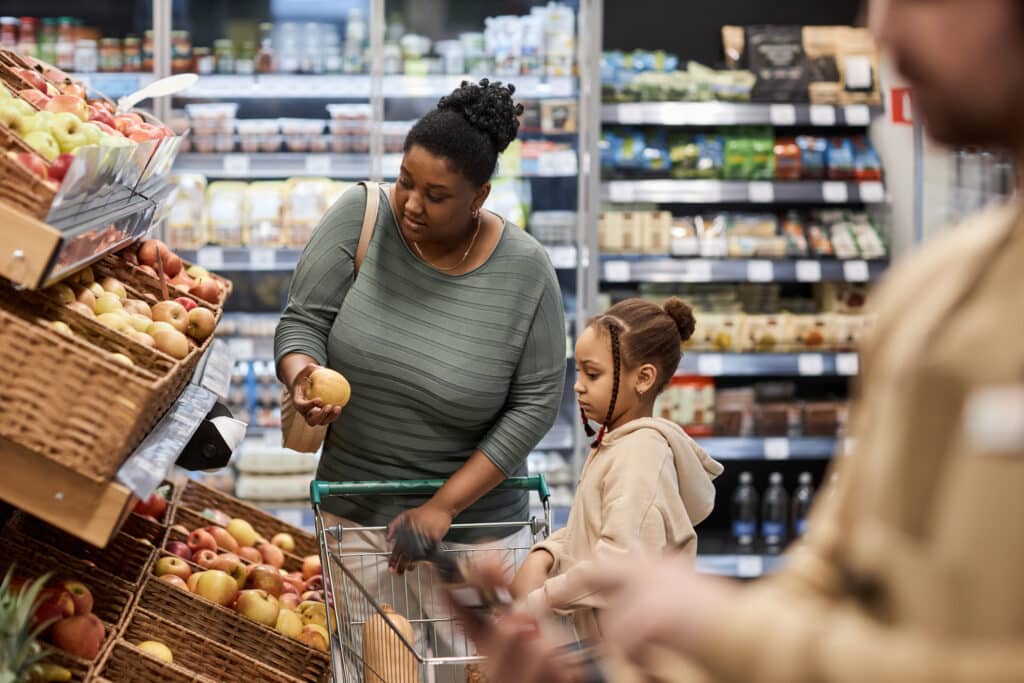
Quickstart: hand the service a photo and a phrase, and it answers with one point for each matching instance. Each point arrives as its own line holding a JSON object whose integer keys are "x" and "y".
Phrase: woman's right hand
{"x": 313, "y": 410}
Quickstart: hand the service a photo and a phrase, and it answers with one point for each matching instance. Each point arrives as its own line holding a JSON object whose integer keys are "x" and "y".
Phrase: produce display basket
{"x": 231, "y": 629}
{"x": 191, "y": 520}
{"x": 126, "y": 663}
{"x": 125, "y": 557}
{"x": 203, "y": 654}
{"x": 19, "y": 187}
{"x": 196, "y": 497}
{"x": 139, "y": 278}
{"x": 80, "y": 668}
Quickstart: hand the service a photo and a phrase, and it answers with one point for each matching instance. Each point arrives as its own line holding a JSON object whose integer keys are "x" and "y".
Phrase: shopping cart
{"x": 360, "y": 591}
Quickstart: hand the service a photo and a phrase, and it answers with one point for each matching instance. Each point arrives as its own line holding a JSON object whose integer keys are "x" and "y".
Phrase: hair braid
{"x": 613, "y": 331}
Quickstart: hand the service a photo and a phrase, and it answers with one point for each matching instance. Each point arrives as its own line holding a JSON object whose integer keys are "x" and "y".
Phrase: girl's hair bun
{"x": 682, "y": 314}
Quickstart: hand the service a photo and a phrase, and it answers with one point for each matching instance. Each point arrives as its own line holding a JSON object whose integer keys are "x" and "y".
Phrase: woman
{"x": 452, "y": 335}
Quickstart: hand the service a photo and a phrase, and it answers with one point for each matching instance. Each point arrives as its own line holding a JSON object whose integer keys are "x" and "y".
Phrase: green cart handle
{"x": 319, "y": 490}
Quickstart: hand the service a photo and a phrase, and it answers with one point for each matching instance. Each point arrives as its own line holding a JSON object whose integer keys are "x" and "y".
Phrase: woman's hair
{"x": 470, "y": 128}
{"x": 643, "y": 332}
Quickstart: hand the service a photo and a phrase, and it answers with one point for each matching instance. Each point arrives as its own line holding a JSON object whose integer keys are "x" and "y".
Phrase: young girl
{"x": 646, "y": 483}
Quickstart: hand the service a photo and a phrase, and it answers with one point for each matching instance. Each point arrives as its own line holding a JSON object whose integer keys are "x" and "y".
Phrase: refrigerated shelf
{"x": 667, "y": 191}
{"x": 701, "y": 114}
{"x": 626, "y": 268}
{"x": 769, "y": 364}
{"x": 769, "y": 448}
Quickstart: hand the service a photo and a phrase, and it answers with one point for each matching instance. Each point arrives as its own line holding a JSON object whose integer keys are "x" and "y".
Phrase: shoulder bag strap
{"x": 369, "y": 222}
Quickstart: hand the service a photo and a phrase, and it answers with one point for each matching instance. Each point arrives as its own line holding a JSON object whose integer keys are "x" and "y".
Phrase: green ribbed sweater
{"x": 440, "y": 365}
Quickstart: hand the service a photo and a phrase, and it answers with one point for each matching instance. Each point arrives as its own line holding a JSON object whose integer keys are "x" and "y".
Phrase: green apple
{"x": 71, "y": 132}
{"x": 92, "y": 133}
{"x": 20, "y": 107}
{"x": 44, "y": 143}
{"x": 108, "y": 140}
{"x": 14, "y": 117}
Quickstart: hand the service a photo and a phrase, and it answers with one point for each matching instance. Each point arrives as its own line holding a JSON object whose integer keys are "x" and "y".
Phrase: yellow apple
{"x": 328, "y": 386}
{"x": 289, "y": 623}
{"x": 108, "y": 302}
{"x": 171, "y": 342}
{"x": 62, "y": 327}
{"x": 122, "y": 359}
{"x": 157, "y": 649}
{"x": 242, "y": 531}
{"x": 114, "y": 286}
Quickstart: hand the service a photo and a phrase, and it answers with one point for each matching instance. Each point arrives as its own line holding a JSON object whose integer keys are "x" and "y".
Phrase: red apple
{"x": 180, "y": 549}
{"x": 81, "y": 596}
{"x": 155, "y": 506}
{"x": 32, "y": 162}
{"x": 311, "y": 567}
{"x": 59, "y": 166}
{"x": 124, "y": 121}
{"x": 69, "y": 87}
{"x": 109, "y": 130}
{"x": 265, "y": 577}
{"x": 201, "y": 539}
{"x": 71, "y": 104}
{"x": 293, "y": 583}
{"x": 35, "y": 97}
{"x": 173, "y": 565}
{"x": 206, "y": 289}
{"x": 315, "y": 583}
{"x": 223, "y": 538}
{"x": 217, "y": 586}
{"x": 271, "y": 554}
{"x": 175, "y": 581}
{"x": 52, "y": 604}
{"x": 33, "y": 78}
{"x": 205, "y": 558}
{"x": 187, "y": 303}
{"x": 250, "y": 554}
{"x": 100, "y": 115}
{"x": 173, "y": 313}
{"x": 258, "y": 606}
{"x": 81, "y": 636}
{"x": 312, "y": 596}
{"x": 148, "y": 254}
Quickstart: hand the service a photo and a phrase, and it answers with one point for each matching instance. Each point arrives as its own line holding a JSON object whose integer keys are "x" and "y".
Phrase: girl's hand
{"x": 312, "y": 409}
{"x": 532, "y": 574}
{"x": 430, "y": 520}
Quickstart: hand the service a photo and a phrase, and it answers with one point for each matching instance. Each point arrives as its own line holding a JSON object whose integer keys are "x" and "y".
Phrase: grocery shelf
{"x": 666, "y": 191}
{"x": 769, "y": 364}
{"x": 737, "y": 114}
{"x": 653, "y": 268}
{"x": 357, "y": 86}
{"x": 391, "y": 163}
{"x": 739, "y": 448}
{"x": 739, "y": 566}
{"x": 275, "y": 165}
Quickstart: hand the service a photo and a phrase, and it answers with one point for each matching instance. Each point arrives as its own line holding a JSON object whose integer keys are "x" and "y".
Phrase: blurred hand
{"x": 312, "y": 409}
{"x": 430, "y": 520}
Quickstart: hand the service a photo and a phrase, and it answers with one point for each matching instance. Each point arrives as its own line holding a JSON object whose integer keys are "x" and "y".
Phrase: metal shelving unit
{"x": 743, "y": 192}
{"x": 770, "y": 364}
{"x": 698, "y": 114}
{"x": 619, "y": 268}
{"x": 739, "y": 566}
{"x": 768, "y": 448}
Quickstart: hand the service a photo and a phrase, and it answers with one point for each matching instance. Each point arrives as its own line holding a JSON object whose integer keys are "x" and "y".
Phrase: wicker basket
{"x": 144, "y": 529}
{"x": 126, "y": 663}
{"x": 196, "y": 497}
{"x": 228, "y": 628}
{"x": 19, "y": 187}
{"x": 192, "y": 520}
{"x": 63, "y": 399}
{"x": 204, "y": 655}
{"x": 79, "y": 668}
{"x": 112, "y": 597}
{"x": 140, "y": 279}
{"x": 125, "y": 557}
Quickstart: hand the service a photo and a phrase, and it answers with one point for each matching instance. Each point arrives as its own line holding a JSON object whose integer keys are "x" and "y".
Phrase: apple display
{"x": 200, "y": 540}
{"x": 233, "y": 567}
{"x": 201, "y": 323}
{"x": 17, "y": 115}
{"x": 108, "y": 302}
{"x": 149, "y": 270}
{"x": 98, "y": 115}
{"x": 250, "y": 554}
{"x": 157, "y": 649}
{"x": 316, "y": 637}
{"x": 218, "y": 517}
{"x": 265, "y": 577}
{"x": 155, "y": 505}
{"x": 284, "y": 541}
{"x": 271, "y": 554}
{"x": 122, "y": 359}
{"x": 136, "y": 306}
{"x": 69, "y": 104}
{"x": 143, "y": 339}
{"x": 289, "y": 601}
{"x": 197, "y": 272}
{"x": 205, "y": 557}
{"x": 86, "y": 296}
{"x": 96, "y": 289}
{"x": 33, "y": 163}
{"x": 71, "y": 132}
{"x": 259, "y": 606}
{"x": 118, "y": 322}
{"x": 81, "y": 636}
{"x": 311, "y": 567}
{"x": 315, "y": 583}
{"x": 313, "y": 612}
{"x": 172, "y": 313}
{"x": 330, "y": 387}
{"x": 59, "y": 167}
{"x": 173, "y": 565}
{"x": 62, "y": 327}
{"x": 188, "y": 303}
{"x": 206, "y": 288}
{"x": 171, "y": 342}
{"x": 175, "y": 581}
{"x": 312, "y": 596}
{"x": 193, "y": 580}
{"x": 52, "y": 604}
{"x": 33, "y": 78}
{"x": 148, "y": 256}
{"x": 217, "y": 586}
{"x": 43, "y": 143}
{"x": 81, "y": 308}
{"x": 80, "y": 594}
{"x": 125, "y": 121}
{"x": 157, "y": 327}
{"x": 223, "y": 538}
{"x": 85, "y": 277}
{"x": 114, "y": 286}
{"x": 180, "y": 549}
{"x": 140, "y": 322}
{"x": 288, "y": 622}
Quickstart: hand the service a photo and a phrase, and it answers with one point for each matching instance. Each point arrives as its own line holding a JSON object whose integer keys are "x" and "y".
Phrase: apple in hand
{"x": 81, "y": 636}
{"x": 259, "y": 606}
{"x": 43, "y": 143}
{"x": 81, "y": 596}
{"x": 201, "y": 539}
{"x": 329, "y": 387}
{"x": 172, "y": 313}
{"x": 173, "y": 565}
{"x": 265, "y": 577}
{"x": 217, "y": 586}
{"x": 205, "y": 558}
{"x": 180, "y": 549}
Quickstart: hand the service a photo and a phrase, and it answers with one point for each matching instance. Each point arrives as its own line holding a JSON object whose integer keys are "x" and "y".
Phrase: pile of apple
{"x": 63, "y": 613}
{"x": 290, "y": 602}
{"x": 194, "y": 280}
{"x": 167, "y": 326}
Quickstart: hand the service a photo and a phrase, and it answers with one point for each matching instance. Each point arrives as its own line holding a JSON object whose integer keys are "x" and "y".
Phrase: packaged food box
{"x": 812, "y": 332}
{"x": 305, "y": 205}
{"x": 186, "y": 225}
{"x": 266, "y": 214}
{"x": 226, "y": 213}
{"x": 764, "y": 333}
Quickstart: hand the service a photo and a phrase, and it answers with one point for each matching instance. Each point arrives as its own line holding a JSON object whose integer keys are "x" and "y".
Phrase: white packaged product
{"x": 186, "y": 227}
{"x": 226, "y": 213}
{"x": 266, "y": 214}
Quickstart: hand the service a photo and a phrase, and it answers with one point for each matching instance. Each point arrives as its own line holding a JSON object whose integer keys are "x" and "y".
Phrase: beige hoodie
{"x": 647, "y": 485}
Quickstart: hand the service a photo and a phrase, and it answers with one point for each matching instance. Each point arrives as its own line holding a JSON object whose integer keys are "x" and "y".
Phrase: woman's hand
{"x": 431, "y": 520}
{"x": 312, "y": 409}
{"x": 532, "y": 574}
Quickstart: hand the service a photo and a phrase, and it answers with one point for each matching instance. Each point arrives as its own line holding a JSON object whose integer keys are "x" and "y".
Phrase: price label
{"x": 811, "y": 364}
{"x": 808, "y": 271}
{"x": 749, "y": 567}
{"x": 261, "y": 258}
{"x": 782, "y": 115}
{"x": 858, "y": 115}
{"x": 620, "y": 192}
{"x": 697, "y": 270}
{"x": 823, "y": 115}
{"x": 847, "y": 364}
{"x": 616, "y": 271}
{"x": 872, "y": 192}
{"x": 776, "y": 449}
{"x": 709, "y": 364}
{"x": 761, "y": 193}
{"x": 856, "y": 271}
{"x": 760, "y": 271}
{"x": 236, "y": 164}
{"x": 835, "y": 193}
{"x": 217, "y": 371}
{"x": 210, "y": 257}
{"x": 318, "y": 164}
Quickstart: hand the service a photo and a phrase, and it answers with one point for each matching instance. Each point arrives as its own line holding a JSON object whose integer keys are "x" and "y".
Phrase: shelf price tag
{"x": 810, "y": 364}
{"x": 858, "y": 115}
{"x": 847, "y": 364}
{"x": 761, "y": 193}
{"x": 620, "y": 191}
{"x": 749, "y": 567}
{"x": 616, "y": 271}
{"x": 318, "y": 164}
{"x": 856, "y": 271}
{"x": 808, "y": 271}
{"x": 782, "y": 115}
{"x": 261, "y": 258}
{"x": 776, "y": 449}
{"x": 695, "y": 270}
{"x": 835, "y": 192}
{"x": 217, "y": 371}
{"x": 709, "y": 365}
{"x": 872, "y": 192}
{"x": 823, "y": 115}
{"x": 236, "y": 164}
{"x": 210, "y": 257}
{"x": 760, "y": 271}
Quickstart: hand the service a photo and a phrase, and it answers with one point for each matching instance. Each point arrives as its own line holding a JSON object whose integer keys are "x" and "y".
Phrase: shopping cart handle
{"x": 319, "y": 490}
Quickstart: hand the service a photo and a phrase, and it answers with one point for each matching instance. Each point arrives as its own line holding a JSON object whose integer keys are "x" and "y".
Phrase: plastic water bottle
{"x": 744, "y": 511}
{"x": 774, "y": 513}
{"x": 802, "y": 498}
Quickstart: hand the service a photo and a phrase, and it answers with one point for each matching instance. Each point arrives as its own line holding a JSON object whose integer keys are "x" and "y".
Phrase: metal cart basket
{"x": 425, "y": 643}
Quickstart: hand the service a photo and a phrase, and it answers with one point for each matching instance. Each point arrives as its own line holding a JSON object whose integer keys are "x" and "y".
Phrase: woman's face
{"x": 433, "y": 202}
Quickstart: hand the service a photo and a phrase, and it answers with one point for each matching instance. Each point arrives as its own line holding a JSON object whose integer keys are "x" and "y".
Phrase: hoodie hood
{"x": 695, "y": 469}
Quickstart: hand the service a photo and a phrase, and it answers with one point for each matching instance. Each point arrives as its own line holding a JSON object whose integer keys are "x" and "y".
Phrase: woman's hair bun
{"x": 682, "y": 314}
{"x": 489, "y": 108}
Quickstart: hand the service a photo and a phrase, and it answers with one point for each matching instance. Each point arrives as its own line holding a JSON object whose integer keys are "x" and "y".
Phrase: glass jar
{"x": 48, "y": 41}
{"x": 181, "y": 52}
{"x": 203, "y": 62}
{"x": 224, "y": 51}
{"x": 132, "y": 54}
{"x": 111, "y": 59}
{"x": 147, "y": 51}
{"x": 246, "y": 62}
{"x": 266, "y": 59}
{"x": 27, "y": 45}
{"x": 87, "y": 56}
{"x": 9, "y": 33}
{"x": 65, "y": 50}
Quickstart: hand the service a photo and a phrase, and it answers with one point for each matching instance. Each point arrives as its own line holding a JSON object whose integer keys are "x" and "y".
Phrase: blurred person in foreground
{"x": 911, "y": 568}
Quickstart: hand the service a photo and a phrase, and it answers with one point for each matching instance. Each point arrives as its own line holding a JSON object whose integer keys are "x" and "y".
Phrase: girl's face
{"x": 595, "y": 378}
{"x": 433, "y": 202}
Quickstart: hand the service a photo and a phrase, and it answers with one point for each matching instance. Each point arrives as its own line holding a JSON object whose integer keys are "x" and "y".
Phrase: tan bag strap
{"x": 369, "y": 222}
